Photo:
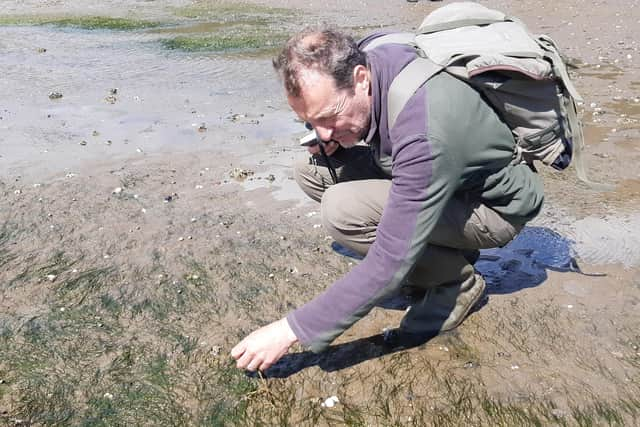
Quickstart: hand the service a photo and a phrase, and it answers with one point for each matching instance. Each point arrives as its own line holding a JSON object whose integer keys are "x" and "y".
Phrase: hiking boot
{"x": 444, "y": 307}
{"x": 413, "y": 293}
{"x": 471, "y": 255}
{"x": 398, "y": 339}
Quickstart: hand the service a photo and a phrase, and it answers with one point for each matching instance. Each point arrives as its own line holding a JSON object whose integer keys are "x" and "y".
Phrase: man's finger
{"x": 238, "y": 350}
{"x": 264, "y": 366}
{"x": 254, "y": 365}
{"x": 244, "y": 360}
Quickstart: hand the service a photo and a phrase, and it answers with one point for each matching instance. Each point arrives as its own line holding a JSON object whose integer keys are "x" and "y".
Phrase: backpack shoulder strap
{"x": 412, "y": 76}
{"x": 405, "y": 84}
{"x": 569, "y": 111}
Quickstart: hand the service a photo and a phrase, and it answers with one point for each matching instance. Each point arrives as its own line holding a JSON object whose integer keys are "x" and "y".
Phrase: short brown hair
{"x": 324, "y": 50}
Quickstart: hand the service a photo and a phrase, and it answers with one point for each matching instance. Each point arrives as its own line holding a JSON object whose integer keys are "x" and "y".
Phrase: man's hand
{"x": 329, "y": 148}
{"x": 264, "y": 347}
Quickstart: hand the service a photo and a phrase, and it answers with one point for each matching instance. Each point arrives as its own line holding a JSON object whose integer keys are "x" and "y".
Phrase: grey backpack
{"x": 522, "y": 76}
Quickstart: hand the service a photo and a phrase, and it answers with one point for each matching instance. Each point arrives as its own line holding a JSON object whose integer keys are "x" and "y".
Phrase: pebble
{"x": 51, "y": 277}
{"x": 330, "y": 402}
{"x": 215, "y": 350}
{"x": 108, "y": 396}
{"x": 117, "y": 190}
{"x": 515, "y": 367}
{"x": 271, "y": 275}
{"x": 55, "y": 95}
{"x": 238, "y": 173}
{"x": 83, "y": 142}
{"x": 17, "y": 192}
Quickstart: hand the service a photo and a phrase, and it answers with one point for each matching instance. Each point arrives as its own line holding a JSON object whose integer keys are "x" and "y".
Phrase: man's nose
{"x": 324, "y": 134}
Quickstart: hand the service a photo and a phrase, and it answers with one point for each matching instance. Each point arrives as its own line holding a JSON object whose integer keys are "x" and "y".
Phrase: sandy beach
{"x": 149, "y": 220}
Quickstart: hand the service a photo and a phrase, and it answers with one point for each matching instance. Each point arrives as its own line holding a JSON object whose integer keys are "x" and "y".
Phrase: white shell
{"x": 330, "y": 402}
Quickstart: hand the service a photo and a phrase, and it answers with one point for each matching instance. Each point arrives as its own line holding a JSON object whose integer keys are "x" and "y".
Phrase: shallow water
{"x": 164, "y": 100}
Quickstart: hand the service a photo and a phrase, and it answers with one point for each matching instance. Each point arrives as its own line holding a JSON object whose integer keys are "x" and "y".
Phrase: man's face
{"x": 336, "y": 115}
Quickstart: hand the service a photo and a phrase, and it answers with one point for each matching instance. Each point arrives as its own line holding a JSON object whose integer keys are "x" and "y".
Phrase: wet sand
{"x": 122, "y": 227}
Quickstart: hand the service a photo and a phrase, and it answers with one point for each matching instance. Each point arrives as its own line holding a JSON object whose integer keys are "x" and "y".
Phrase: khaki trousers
{"x": 351, "y": 211}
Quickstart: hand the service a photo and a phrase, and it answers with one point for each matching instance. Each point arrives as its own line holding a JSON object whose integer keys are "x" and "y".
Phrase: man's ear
{"x": 361, "y": 78}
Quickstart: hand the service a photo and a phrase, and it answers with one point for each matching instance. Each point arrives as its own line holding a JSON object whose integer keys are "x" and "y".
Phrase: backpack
{"x": 523, "y": 77}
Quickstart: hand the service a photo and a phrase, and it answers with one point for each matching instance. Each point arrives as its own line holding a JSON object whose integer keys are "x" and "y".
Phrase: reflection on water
{"x": 524, "y": 262}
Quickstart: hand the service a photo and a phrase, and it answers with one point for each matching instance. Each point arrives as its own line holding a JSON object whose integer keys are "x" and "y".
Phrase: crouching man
{"x": 417, "y": 201}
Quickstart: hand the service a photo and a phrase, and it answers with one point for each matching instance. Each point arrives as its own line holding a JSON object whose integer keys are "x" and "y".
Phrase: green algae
{"x": 223, "y": 42}
{"x": 81, "y": 22}
{"x": 228, "y": 27}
